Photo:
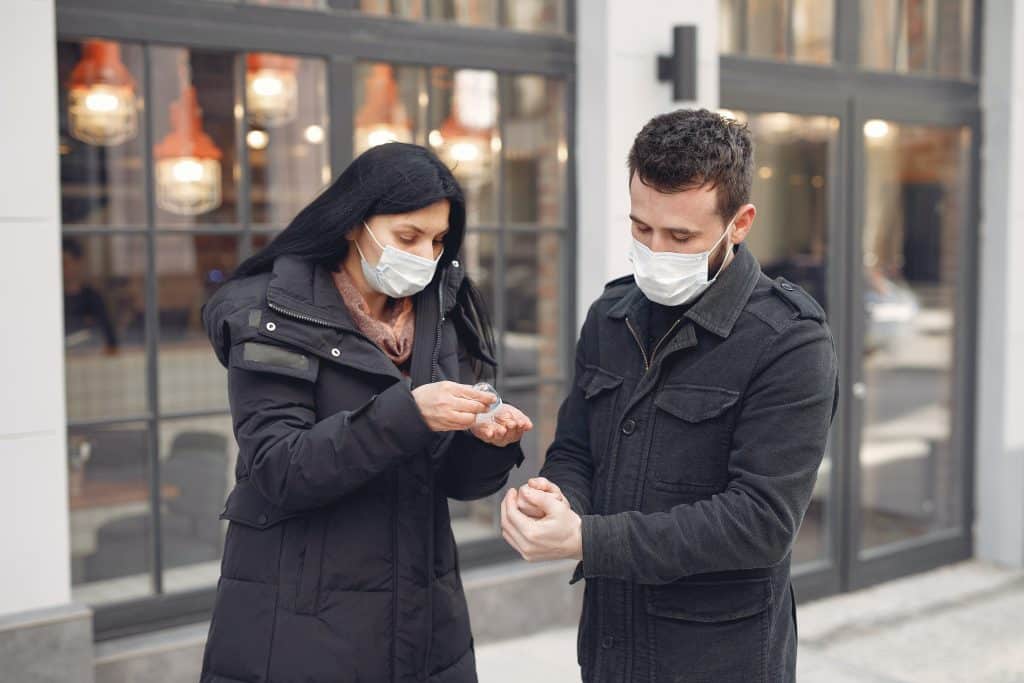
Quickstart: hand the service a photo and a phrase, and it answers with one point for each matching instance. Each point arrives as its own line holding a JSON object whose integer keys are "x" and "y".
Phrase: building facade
{"x": 154, "y": 145}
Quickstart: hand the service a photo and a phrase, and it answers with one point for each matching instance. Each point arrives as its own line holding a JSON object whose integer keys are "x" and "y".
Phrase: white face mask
{"x": 398, "y": 273}
{"x": 672, "y": 279}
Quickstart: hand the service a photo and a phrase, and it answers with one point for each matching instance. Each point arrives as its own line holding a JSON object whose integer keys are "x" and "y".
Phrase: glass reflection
{"x": 189, "y": 269}
{"x": 795, "y": 30}
{"x": 466, "y": 12}
{"x": 535, "y": 15}
{"x": 790, "y": 239}
{"x": 197, "y": 459}
{"x": 194, "y": 121}
{"x": 407, "y": 9}
{"x": 923, "y": 36}
{"x": 287, "y": 140}
{"x": 534, "y": 268}
{"x": 535, "y": 151}
{"x": 914, "y": 197}
{"x": 390, "y": 104}
{"x": 104, "y": 326}
{"x": 109, "y": 504}
{"x": 463, "y": 123}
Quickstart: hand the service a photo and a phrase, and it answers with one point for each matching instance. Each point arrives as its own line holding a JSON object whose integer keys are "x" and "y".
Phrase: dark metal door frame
{"x": 843, "y": 90}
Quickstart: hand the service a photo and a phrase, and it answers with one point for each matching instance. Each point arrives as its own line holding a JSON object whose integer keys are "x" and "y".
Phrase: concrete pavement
{"x": 959, "y": 624}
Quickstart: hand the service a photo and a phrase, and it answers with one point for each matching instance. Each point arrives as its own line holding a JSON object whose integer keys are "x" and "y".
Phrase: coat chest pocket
{"x": 600, "y": 390}
{"x": 692, "y": 432}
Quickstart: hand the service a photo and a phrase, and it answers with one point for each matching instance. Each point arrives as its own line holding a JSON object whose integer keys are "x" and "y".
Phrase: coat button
{"x": 629, "y": 426}
{"x": 608, "y": 642}
{"x": 335, "y": 352}
{"x": 424, "y": 489}
{"x": 271, "y": 327}
{"x": 788, "y": 287}
{"x": 455, "y": 264}
{"x": 262, "y": 519}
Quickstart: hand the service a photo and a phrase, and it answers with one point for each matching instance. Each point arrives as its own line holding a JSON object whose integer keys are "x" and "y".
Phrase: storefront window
{"x": 783, "y": 30}
{"x": 177, "y": 162}
{"x": 917, "y": 36}
{"x": 145, "y": 396}
{"x": 790, "y": 238}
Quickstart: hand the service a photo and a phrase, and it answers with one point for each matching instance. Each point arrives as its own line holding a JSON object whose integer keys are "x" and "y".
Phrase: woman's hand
{"x": 508, "y": 427}
{"x": 448, "y": 406}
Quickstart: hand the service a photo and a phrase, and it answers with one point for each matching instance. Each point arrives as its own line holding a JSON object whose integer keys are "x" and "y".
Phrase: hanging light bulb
{"x": 271, "y": 89}
{"x": 101, "y": 96}
{"x": 187, "y": 162}
{"x": 383, "y": 117}
{"x": 466, "y": 138}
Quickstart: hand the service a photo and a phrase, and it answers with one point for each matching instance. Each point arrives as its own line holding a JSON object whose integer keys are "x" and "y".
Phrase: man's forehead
{"x": 650, "y": 204}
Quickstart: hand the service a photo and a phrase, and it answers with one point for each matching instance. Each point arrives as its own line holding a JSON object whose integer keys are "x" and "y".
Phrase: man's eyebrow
{"x": 681, "y": 230}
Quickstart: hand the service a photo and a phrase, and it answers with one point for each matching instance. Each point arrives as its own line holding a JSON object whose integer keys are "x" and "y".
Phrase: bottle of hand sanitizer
{"x": 489, "y": 415}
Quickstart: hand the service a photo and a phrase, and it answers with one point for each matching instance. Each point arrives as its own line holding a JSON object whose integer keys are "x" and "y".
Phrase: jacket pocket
{"x": 600, "y": 391}
{"x": 692, "y": 433}
{"x": 262, "y": 540}
{"x": 595, "y": 381}
{"x": 710, "y": 631}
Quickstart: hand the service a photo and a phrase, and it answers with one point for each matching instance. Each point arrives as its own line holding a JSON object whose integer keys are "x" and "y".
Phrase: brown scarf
{"x": 393, "y": 334}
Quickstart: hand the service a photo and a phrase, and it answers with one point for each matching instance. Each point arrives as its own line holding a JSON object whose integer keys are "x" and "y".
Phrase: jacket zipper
{"x": 434, "y": 373}
{"x": 654, "y": 354}
{"x": 299, "y": 316}
{"x": 434, "y": 369}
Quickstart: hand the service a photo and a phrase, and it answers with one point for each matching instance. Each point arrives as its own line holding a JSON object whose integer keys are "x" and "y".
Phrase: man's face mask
{"x": 673, "y": 279}
{"x": 398, "y": 273}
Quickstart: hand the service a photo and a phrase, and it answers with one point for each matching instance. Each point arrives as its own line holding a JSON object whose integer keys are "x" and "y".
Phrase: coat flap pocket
{"x": 595, "y": 380}
{"x": 246, "y": 506}
{"x": 709, "y": 601}
{"x": 252, "y": 355}
{"x": 695, "y": 403}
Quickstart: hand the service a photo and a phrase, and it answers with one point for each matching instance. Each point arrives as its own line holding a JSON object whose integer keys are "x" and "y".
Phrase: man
{"x": 687, "y": 449}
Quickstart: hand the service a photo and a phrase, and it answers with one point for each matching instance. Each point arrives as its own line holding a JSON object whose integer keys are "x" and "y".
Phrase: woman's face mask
{"x": 397, "y": 273}
{"x": 673, "y": 279}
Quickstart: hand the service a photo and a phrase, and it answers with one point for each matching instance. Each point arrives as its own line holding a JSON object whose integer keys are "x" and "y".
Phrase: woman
{"x": 345, "y": 341}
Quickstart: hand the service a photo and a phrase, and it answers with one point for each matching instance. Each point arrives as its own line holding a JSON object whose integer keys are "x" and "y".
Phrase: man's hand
{"x": 508, "y": 427}
{"x": 536, "y": 484}
{"x": 554, "y": 536}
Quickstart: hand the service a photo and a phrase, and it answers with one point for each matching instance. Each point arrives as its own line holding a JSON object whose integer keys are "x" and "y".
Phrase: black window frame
{"x": 342, "y": 36}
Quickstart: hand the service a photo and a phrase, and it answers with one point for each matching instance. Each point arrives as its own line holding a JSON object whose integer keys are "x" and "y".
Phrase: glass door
{"x": 910, "y": 390}
{"x": 796, "y": 188}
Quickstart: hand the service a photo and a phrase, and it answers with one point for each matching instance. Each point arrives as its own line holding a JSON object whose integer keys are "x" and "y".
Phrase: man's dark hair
{"x": 691, "y": 148}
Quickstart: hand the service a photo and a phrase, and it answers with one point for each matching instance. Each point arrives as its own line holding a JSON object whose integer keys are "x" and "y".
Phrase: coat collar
{"x": 721, "y": 304}
{"x": 307, "y": 289}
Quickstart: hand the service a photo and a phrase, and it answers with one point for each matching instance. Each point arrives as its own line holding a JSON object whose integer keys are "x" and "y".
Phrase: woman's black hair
{"x": 387, "y": 179}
